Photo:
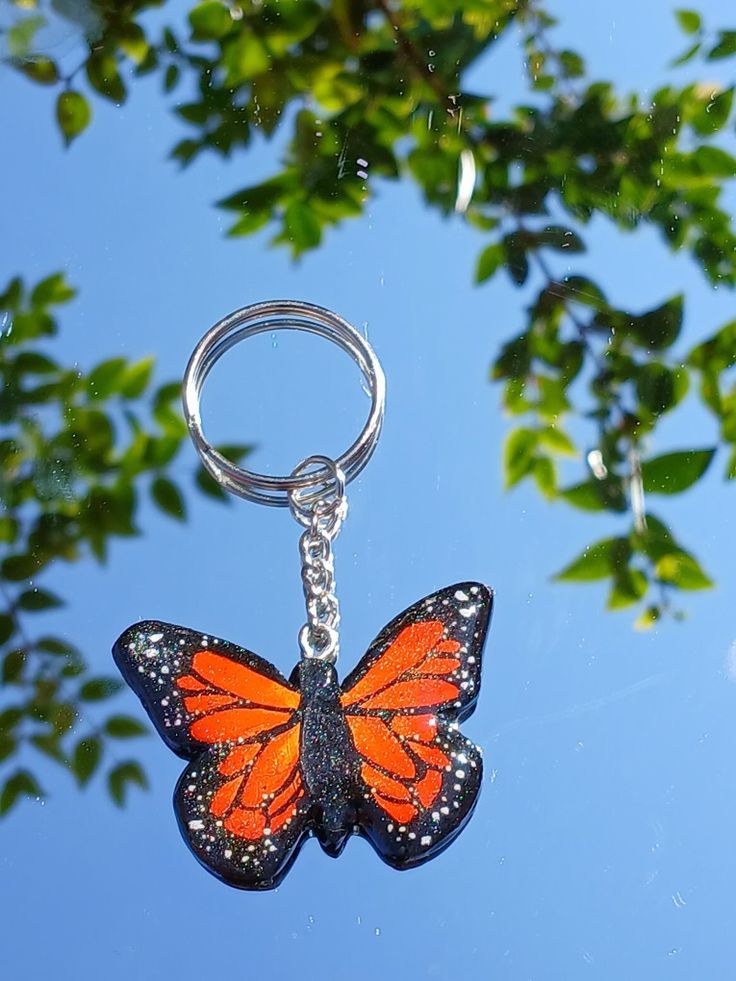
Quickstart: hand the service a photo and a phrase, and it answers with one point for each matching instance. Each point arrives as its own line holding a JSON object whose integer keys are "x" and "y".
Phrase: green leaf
{"x": 99, "y": 689}
{"x": 170, "y": 420}
{"x": 8, "y": 530}
{"x": 597, "y": 561}
{"x": 490, "y": 259}
{"x": 725, "y": 47}
{"x": 124, "y": 727}
{"x": 168, "y": 497}
{"x": 161, "y": 450}
{"x": 133, "y": 43}
{"x": 121, "y": 777}
{"x": 518, "y": 455}
{"x": 656, "y": 539}
{"x": 258, "y": 197}
{"x": 716, "y": 353}
{"x": 248, "y": 223}
{"x": 647, "y": 619}
{"x": 582, "y": 290}
{"x": 659, "y": 328}
{"x": 13, "y": 664}
{"x": 210, "y": 20}
{"x": 38, "y": 599}
{"x": 629, "y": 586}
{"x": 104, "y": 77}
{"x": 596, "y": 495}
{"x": 714, "y": 114}
{"x": 196, "y": 113}
{"x": 20, "y": 36}
{"x": 243, "y": 58}
{"x": 186, "y": 150}
{"x": 555, "y": 439}
{"x": 683, "y": 571}
{"x": 48, "y": 744}
{"x": 18, "y": 567}
{"x": 86, "y": 758}
{"x": 715, "y": 161}
{"x": 52, "y": 289}
{"x": 301, "y": 227}
{"x": 687, "y": 55}
{"x": 572, "y": 64}
{"x": 40, "y": 69}
{"x": 655, "y": 386}
{"x": 8, "y": 745}
{"x": 673, "y": 473}
{"x": 517, "y": 262}
{"x": 552, "y": 401}
{"x": 168, "y": 392}
{"x": 234, "y": 452}
{"x": 35, "y": 363}
{"x": 63, "y": 717}
{"x": 171, "y": 77}
{"x": 10, "y": 717}
{"x": 514, "y": 360}
{"x": 136, "y": 378}
{"x": 21, "y": 784}
{"x": 7, "y": 628}
{"x": 52, "y": 645}
{"x": 73, "y": 114}
{"x": 689, "y": 20}
{"x": 106, "y": 378}
{"x": 209, "y": 486}
{"x": 545, "y": 476}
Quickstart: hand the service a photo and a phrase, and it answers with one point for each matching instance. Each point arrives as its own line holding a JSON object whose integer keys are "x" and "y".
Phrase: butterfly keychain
{"x": 273, "y": 761}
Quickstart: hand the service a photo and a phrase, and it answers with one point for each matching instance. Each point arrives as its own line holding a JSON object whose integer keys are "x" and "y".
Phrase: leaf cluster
{"x": 77, "y": 449}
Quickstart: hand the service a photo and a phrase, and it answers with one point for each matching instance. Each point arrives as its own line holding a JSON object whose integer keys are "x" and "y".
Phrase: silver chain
{"x": 322, "y": 520}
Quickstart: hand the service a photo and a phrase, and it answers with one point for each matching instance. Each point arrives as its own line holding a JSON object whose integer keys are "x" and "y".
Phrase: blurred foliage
{"x": 363, "y": 90}
{"x": 76, "y": 452}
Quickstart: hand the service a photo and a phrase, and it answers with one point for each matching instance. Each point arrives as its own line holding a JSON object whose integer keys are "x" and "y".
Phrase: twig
{"x": 414, "y": 56}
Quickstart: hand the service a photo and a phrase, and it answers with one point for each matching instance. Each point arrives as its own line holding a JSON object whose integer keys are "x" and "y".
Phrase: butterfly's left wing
{"x": 240, "y": 802}
{"x": 403, "y": 703}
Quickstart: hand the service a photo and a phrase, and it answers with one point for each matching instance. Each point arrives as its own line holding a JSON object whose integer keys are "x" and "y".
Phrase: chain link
{"x": 322, "y": 520}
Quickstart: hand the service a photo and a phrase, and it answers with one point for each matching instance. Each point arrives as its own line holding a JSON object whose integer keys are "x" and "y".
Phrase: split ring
{"x": 267, "y": 317}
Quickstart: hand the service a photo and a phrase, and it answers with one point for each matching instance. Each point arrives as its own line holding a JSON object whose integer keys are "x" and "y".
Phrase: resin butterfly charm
{"x": 274, "y": 761}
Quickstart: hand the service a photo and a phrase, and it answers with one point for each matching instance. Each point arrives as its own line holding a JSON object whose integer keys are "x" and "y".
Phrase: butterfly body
{"x": 329, "y": 763}
{"x": 272, "y": 762}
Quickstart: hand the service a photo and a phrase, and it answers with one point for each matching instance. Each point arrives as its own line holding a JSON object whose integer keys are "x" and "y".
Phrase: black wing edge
{"x": 222, "y": 853}
{"x": 465, "y": 608}
{"x": 411, "y": 852}
{"x": 151, "y": 654}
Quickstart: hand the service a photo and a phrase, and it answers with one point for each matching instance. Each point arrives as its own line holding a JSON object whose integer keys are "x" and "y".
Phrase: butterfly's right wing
{"x": 403, "y": 704}
{"x": 240, "y": 802}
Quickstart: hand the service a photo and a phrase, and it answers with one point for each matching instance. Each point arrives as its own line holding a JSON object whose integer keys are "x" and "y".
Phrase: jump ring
{"x": 325, "y": 506}
{"x": 268, "y": 317}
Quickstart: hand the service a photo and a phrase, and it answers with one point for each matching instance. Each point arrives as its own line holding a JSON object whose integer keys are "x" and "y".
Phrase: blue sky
{"x": 603, "y": 844}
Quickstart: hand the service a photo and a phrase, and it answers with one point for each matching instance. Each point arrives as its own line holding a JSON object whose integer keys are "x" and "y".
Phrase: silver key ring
{"x": 262, "y": 318}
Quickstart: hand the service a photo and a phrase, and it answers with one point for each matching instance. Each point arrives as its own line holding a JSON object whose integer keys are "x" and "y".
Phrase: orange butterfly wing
{"x": 402, "y": 705}
{"x": 240, "y": 803}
